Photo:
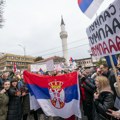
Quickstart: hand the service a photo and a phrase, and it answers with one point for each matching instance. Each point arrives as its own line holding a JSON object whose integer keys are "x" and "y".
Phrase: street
{"x": 43, "y": 117}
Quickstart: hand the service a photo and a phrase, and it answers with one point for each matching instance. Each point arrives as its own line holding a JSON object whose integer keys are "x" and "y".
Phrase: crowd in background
{"x": 100, "y": 99}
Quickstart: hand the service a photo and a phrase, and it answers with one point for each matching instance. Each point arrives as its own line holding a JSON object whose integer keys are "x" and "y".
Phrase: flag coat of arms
{"x": 56, "y": 95}
{"x": 89, "y": 7}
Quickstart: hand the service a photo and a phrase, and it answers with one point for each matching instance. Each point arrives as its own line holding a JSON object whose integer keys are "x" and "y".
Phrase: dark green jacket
{"x": 4, "y": 99}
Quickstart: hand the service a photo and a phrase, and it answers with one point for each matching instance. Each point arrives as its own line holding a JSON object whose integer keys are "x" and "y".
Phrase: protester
{"x": 116, "y": 85}
{"x": 115, "y": 112}
{"x": 14, "y": 106}
{"x": 20, "y": 81}
{"x": 4, "y": 99}
{"x": 87, "y": 88}
{"x": 25, "y": 101}
{"x": 11, "y": 75}
{"x": 1, "y": 82}
{"x": 19, "y": 101}
{"x": 3, "y": 78}
{"x": 110, "y": 75}
{"x": 103, "y": 98}
{"x": 97, "y": 73}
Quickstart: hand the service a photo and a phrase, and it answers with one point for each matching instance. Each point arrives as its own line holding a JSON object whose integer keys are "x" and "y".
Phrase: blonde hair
{"x": 103, "y": 82}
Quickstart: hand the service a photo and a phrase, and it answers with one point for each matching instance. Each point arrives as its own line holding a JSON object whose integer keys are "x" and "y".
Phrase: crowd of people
{"x": 100, "y": 97}
{"x": 14, "y": 98}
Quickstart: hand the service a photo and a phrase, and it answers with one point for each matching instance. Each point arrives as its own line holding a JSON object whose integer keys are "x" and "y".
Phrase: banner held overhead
{"x": 104, "y": 32}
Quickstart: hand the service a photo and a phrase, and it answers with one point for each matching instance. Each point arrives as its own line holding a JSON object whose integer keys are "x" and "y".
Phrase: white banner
{"x": 104, "y": 32}
{"x": 45, "y": 66}
{"x": 50, "y": 65}
{"x": 36, "y": 67}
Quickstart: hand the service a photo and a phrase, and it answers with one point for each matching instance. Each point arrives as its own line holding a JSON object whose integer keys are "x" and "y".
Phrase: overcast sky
{"x": 35, "y": 24}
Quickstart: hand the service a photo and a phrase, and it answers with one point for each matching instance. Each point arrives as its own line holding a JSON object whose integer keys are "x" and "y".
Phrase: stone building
{"x": 7, "y": 61}
{"x": 86, "y": 62}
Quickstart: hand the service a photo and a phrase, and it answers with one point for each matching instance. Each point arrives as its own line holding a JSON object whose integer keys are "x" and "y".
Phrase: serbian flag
{"x": 71, "y": 59}
{"x": 14, "y": 67}
{"x": 41, "y": 71}
{"x": 89, "y": 7}
{"x": 56, "y": 95}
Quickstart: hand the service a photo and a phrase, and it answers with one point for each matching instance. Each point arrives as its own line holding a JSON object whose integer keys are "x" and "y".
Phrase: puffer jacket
{"x": 14, "y": 106}
{"x": 4, "y": 99}
{"x": 104, "y": 102}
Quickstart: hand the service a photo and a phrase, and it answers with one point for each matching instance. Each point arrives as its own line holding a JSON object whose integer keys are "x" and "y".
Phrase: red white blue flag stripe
{"x": 89, "y": 7}
{"x": 55, "y": 94}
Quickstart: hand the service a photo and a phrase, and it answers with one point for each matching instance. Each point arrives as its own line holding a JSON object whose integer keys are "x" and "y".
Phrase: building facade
{"x": 7, "y": 62}
{"x": 56, "y": 60}
{"x": 86, "y": 62}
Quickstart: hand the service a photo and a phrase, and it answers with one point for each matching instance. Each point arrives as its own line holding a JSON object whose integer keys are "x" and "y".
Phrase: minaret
{"x": 63, "y": 36}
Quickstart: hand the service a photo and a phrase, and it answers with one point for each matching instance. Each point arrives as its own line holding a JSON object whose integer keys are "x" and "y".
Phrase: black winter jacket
{"x": 14, "y": 106}
{"x": 104, "y": 102}
{"x": 89, "y": 87}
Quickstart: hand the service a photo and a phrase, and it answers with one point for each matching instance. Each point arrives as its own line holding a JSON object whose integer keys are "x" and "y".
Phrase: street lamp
{"x": 24, "y": 49}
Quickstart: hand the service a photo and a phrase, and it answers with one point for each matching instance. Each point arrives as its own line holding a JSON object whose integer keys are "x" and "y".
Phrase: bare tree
{"x": 38, "y": 58}
{"x": 1, "y": 12}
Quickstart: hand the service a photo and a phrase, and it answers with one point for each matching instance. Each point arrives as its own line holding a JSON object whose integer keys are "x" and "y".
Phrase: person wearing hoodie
{"x": 110, "y": 75}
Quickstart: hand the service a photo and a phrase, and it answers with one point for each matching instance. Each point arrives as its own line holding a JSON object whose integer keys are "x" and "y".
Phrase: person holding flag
{"x": 56, "y": 95}
{"x": 14, "y": 67}
{"x": 72, "y": 63}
